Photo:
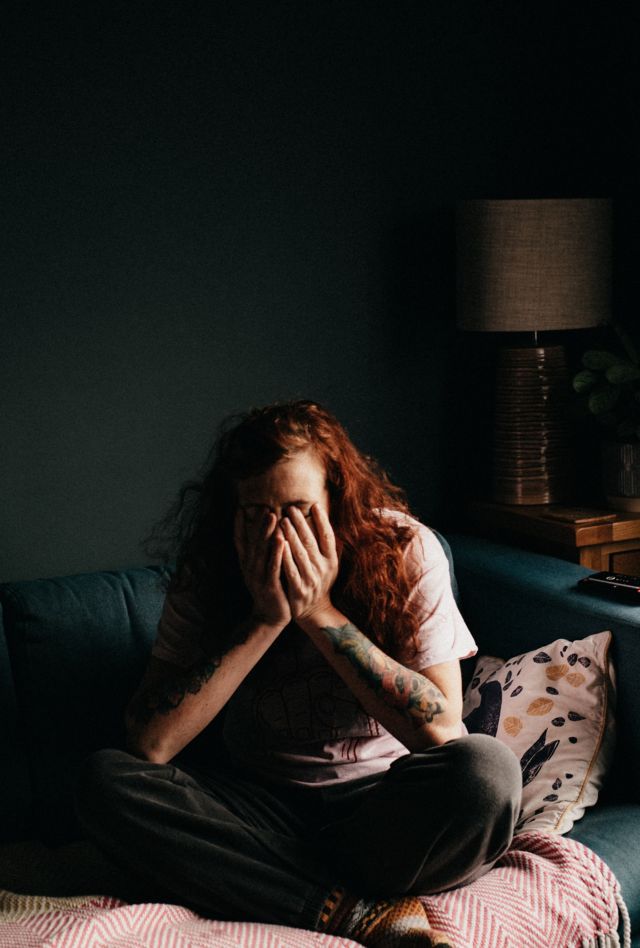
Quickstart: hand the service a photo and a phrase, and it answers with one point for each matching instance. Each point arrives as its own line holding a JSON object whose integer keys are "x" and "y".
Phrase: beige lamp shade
{"x": 534, "y": 265}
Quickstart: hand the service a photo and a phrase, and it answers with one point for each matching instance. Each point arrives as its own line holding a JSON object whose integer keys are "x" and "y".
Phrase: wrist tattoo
{"x": 402, "y": 689}
{"x": 168, "y": 695}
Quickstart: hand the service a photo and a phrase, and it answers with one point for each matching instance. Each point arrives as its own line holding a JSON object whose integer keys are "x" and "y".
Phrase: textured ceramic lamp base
{"x": 621, "y": 475}
{"x": 531, "y": 452}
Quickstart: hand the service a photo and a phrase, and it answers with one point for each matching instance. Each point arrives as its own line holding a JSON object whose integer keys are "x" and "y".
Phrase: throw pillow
{"x": 554, "y": 707}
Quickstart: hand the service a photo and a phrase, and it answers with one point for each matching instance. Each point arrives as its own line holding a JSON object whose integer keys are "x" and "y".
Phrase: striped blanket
{"x": 546, "y": 892}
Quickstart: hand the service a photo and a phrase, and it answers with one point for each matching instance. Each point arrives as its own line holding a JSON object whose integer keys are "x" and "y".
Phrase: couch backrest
{"x": 77, "y": 647}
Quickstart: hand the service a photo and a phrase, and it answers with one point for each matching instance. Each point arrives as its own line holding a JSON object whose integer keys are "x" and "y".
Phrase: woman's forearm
{"x": 407, "y": 703}
{"x": 173, "y": 705}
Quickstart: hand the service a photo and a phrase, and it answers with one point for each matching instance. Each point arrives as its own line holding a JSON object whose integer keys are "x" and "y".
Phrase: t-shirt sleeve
{"x": 179, "y": 635}
{"x": 443, "y": 635}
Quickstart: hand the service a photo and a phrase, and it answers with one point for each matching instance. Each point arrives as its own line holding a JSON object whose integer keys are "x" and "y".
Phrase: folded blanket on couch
{"x": 547, "y": 891}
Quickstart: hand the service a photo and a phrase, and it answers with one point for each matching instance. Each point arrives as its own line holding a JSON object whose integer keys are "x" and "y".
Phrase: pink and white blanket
{"x": 545, "y": 892}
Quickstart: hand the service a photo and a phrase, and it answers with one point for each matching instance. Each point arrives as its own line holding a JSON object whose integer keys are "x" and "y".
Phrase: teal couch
{"x": 72, "y": 650}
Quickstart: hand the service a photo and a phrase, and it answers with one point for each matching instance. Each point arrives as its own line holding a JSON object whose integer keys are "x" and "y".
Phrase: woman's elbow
{"x": 436, "y": 733}
{"x": 140, "y": 743}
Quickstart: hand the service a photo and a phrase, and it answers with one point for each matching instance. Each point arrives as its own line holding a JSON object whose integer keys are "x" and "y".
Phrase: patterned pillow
{"x": 554, "y": 707}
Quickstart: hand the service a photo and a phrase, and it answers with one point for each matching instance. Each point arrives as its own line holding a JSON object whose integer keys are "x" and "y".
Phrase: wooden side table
{"x": 611, "y": 543}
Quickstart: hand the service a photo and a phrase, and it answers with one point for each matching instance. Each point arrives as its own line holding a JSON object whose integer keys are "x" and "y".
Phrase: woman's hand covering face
{"x": 260, "y": 545}
{"x": 310, "y": 565}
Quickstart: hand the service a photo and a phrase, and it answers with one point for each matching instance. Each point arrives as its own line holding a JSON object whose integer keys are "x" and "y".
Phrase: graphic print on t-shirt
{"x": 294, "y": 704}
{"x": 301, "y": 700}
{"x": 316, "y": 707}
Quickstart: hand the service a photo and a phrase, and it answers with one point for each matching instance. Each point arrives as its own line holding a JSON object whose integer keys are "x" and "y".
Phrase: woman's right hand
{"x": 259, "y": 546}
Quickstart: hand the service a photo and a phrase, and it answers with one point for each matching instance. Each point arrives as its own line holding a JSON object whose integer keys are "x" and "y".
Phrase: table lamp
{"x": 532, "y": 266}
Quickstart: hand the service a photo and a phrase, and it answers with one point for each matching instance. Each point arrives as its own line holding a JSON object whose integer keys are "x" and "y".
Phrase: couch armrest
{"x": 15, "y": 786}
{"x": 514, "y": 601}
{"x": 77, "y": 646}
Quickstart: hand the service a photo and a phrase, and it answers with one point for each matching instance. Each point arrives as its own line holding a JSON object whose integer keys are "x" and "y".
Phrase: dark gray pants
{"x": 235, "y": 848}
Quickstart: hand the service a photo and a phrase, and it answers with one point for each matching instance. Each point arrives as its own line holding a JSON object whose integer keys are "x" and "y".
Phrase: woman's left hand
{"x": 310, "y": 565}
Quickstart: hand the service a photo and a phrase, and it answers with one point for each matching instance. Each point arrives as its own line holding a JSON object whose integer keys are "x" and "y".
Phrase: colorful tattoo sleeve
{"x": 402, "y": 689}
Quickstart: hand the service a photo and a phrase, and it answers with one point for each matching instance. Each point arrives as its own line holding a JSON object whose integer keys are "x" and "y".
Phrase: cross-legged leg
{"x": 316, "y": 858}
{"x": 435, "y": 820}
{"x": 228, "y": 848}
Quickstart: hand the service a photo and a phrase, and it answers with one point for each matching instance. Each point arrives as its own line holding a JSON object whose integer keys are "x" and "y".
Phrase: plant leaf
{"x": 622, "y": 372}
{"x": 603, "y": 399}
{"x": 627, "y": 342}
{"x": 599, "y": 360}
{"x": 584, "y": 381}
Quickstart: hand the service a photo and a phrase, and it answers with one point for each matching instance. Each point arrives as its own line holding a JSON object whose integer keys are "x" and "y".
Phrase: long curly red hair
{"x": 372, "y": 588}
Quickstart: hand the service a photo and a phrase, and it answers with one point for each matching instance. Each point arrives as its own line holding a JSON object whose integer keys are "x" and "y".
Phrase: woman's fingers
{"x": 275, "y": 566}
{"x": 261, "y": 546}
{"x": 290, "y": 569}
{"x": 304, "y": 531}
{"x": 275, "y": 557}
{"x": 324, "y": 531}
{"x": 252, "y": 543}
{"x": 303, "y": 545}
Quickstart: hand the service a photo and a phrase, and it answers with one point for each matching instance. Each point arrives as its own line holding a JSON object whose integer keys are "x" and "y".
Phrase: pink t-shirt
{"x": 293, "y": 719}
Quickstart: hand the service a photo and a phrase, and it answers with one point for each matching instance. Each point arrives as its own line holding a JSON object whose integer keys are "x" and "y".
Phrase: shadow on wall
{"x": 417, "y": 340}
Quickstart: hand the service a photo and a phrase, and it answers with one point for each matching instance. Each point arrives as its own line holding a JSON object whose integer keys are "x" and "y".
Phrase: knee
{"x": 100, "y": 782}
{"x": 486, "y": 777}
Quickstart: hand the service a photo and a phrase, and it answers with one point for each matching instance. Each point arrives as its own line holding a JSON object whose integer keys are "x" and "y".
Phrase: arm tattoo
{"x": 164, "y": 697}
{"x": 404, "y": 690}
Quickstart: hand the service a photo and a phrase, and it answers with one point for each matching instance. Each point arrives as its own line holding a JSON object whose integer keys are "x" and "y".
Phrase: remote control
{"x": 618, "y": 585}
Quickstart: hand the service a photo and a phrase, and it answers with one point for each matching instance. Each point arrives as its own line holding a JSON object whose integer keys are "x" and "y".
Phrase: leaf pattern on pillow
{"x": 546, "y": 690}
{"x": 535, "y": 756}
{"x": 541, "y": 657}
{"x": 540, "y": 706}
{"x": 486, "y": 717}
{"x": 575, "y": 679}
{"x": 512, "y": 725}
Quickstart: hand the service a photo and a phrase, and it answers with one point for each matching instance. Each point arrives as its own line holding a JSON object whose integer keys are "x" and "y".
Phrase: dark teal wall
{"x": 215, "y": 205}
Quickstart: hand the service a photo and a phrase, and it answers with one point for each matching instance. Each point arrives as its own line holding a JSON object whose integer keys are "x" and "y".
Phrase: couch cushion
{"x": 512, "y": 598}
{"x": 613, "y": 832}
{"x": 78, "y": 646}
{"x": 15, "y": 787}
{"x": 554, "y": 707}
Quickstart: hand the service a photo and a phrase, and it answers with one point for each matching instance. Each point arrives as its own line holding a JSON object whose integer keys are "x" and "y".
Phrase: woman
{"x": 312, "y": 607}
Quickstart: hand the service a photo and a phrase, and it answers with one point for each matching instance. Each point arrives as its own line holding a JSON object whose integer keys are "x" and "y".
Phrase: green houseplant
{"x": 609, "y": 384}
